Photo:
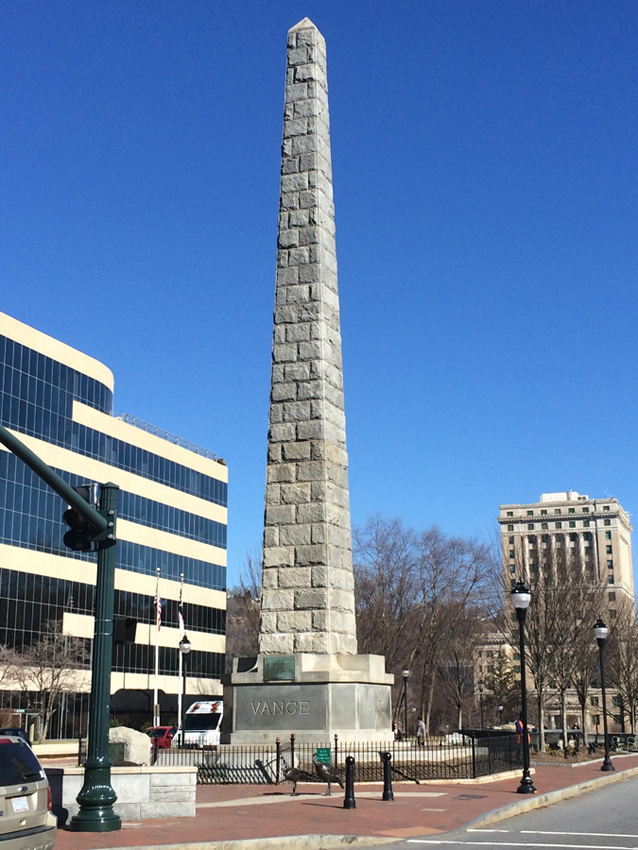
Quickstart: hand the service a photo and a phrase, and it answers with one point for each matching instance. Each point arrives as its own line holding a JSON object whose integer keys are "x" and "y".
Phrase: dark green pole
{"x": 97, "y": 796}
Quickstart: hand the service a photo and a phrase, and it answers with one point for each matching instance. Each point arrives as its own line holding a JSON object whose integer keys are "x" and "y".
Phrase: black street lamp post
{"x": 520, "y": 599}
{"x": 184, "y": 648}
{"x": 600, "y": 632}
{"x": 406, "y": 675}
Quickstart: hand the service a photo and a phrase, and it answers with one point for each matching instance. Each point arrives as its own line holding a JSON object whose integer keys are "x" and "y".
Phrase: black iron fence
{"x": 459, "y": 756}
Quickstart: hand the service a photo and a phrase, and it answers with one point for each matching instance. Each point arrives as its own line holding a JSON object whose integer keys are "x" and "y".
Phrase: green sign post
{"x": 97, "y": 795}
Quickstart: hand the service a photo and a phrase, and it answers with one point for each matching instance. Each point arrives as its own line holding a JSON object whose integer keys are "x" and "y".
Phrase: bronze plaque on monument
{"x": 278, "y": 668}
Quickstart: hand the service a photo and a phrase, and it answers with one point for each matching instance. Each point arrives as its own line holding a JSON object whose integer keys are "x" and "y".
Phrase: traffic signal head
{"x": 81, "y": 533}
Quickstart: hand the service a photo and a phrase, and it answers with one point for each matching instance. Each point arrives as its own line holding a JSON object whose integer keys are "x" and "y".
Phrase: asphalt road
{"x": 605, "y": 819}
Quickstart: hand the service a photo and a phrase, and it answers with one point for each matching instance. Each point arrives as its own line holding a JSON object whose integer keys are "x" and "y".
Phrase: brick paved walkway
{"x": 252, "y": 812}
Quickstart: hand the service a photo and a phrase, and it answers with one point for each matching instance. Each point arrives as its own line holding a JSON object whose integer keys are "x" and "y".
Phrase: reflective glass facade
{"x": 37, "y": 393}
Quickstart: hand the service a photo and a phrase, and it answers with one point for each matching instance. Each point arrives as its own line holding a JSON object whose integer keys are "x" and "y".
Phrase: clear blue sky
{"x": 486, "y": 184}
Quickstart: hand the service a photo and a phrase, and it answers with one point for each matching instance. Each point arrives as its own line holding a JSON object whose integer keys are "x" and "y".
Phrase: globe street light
{"x": 406, "y": 675}
{"x": 184, "y": 649}
{"x": 520, "y": 600}
{"x": 601, "y": 631}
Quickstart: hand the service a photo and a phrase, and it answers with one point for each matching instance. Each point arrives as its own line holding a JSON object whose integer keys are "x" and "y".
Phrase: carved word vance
{"x": 280, "y": 706}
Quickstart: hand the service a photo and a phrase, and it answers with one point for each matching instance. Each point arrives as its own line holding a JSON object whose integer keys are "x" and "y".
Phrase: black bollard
{"x": 386, "y": 758}
{"x": 348, "y": 800}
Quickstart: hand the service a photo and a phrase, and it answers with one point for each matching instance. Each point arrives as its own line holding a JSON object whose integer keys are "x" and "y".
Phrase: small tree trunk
{"x": 541, "y": 722}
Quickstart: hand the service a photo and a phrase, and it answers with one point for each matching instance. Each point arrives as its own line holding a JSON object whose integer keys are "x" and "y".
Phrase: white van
{"x": 202, "y": 725}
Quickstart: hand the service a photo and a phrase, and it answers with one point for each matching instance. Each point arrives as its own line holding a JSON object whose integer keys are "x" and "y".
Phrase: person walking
{"x": 420, "y": 732}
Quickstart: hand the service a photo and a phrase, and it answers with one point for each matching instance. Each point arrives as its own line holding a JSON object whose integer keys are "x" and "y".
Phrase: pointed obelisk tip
{"x": 306, "y": 24}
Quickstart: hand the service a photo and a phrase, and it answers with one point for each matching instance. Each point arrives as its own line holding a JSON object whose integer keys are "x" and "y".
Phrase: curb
{"x": 286, "y": 842}
{"x": 538, "y": 802}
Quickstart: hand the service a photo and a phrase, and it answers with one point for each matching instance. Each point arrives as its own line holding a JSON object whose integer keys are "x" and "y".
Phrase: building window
{"x": 595, "y": 719}
{"x": 616, "y": 702}
{"x": 530, "y": 513}
{"x": 606, "y": 522}
{"x": 611, "y": 579}
{"x": 585, "y": 523}
{"x": 585, "y": 510}
{"x": 607, "y": 534}
{"x": 511, "y": 540}
{"x": 543, "y": 513}
{"x": 572, "y": 510}
{"x": 612, "y": 597}
{"x": 530, "y": 526}
{"x": 544, "y": 525}
{"x": 512, "y": 568}
{"x": 510, "y": 513}
{"x": 594, "y": 700}
{"x": 511, "y": 553}
{"x": 517, "y": 668}
{"x": 609, "y": 549}
{"x": 572, "y": 523}
{"x": 605, "y": 507}
{"x": 573, "y": 537}
{"x": 587, "y": 535}
{"x": 610, "y": 564}
{"x": 510, "y": 528}
{"x": 556, "y": 510}
{"x": 533, "y": 568}
{"x": 612, "y": 614}
{"x": 559, "y": 525}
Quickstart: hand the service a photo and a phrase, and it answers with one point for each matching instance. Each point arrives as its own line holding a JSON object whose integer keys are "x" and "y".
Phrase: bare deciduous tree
{"x": 243, "y": 612}
{"x": 47, "y": 669}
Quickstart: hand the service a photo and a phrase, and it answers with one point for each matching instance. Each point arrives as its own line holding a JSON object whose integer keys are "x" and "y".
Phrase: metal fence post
{"x": 278, "y": 761}
{"x": 292, "y": 750}
{"x": 473, "y": 759}
{"x": 336, "y": 748}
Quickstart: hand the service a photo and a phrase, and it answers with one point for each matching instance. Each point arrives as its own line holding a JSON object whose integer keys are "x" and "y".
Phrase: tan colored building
{"x": 598, "y": 531}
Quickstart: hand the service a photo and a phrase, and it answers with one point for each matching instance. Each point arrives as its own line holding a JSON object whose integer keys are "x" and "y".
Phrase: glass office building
{"x": 172, "y": 517}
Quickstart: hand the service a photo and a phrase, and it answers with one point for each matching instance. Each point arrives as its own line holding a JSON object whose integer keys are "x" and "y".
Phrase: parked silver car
{"x": 26, "y": 819}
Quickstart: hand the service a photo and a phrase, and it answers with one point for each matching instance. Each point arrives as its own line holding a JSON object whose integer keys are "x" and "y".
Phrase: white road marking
{"x": 590, "y": 834}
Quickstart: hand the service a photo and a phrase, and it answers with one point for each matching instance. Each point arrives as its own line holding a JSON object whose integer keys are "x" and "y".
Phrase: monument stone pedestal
{"x": 313, "y": 696}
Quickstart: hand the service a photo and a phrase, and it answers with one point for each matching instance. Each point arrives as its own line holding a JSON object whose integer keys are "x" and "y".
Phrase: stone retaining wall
{"x": 143, "y": 792}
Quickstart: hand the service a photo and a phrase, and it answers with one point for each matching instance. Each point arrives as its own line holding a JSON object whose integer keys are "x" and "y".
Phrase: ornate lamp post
{"x": 184, "y": 649}
{"x": 520, "y": 600}
{"x": 406, "y": 675}
{"x": 601, "y": 631}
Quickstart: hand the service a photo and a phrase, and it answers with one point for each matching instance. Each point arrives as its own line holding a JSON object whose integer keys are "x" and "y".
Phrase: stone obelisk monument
{"x": 308, "y": 678}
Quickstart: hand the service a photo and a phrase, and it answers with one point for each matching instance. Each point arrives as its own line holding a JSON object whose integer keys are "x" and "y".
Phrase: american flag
{"x": 158, "y": 607}
{"x": 180, "y": 614}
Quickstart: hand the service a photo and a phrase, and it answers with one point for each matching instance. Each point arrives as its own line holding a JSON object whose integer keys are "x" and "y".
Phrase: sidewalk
{"x": 248, "y": 812}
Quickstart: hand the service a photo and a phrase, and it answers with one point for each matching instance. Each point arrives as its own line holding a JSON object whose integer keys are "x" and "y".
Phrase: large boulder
{"x": 129, "y": 746}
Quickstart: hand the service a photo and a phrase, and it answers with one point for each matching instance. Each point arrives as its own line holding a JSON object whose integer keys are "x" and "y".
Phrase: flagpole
{"x": 180, "y": 660}
{"x": 158, "y": 625}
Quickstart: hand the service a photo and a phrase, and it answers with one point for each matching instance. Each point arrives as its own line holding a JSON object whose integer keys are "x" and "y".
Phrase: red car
{"x": 161, "y": 736}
